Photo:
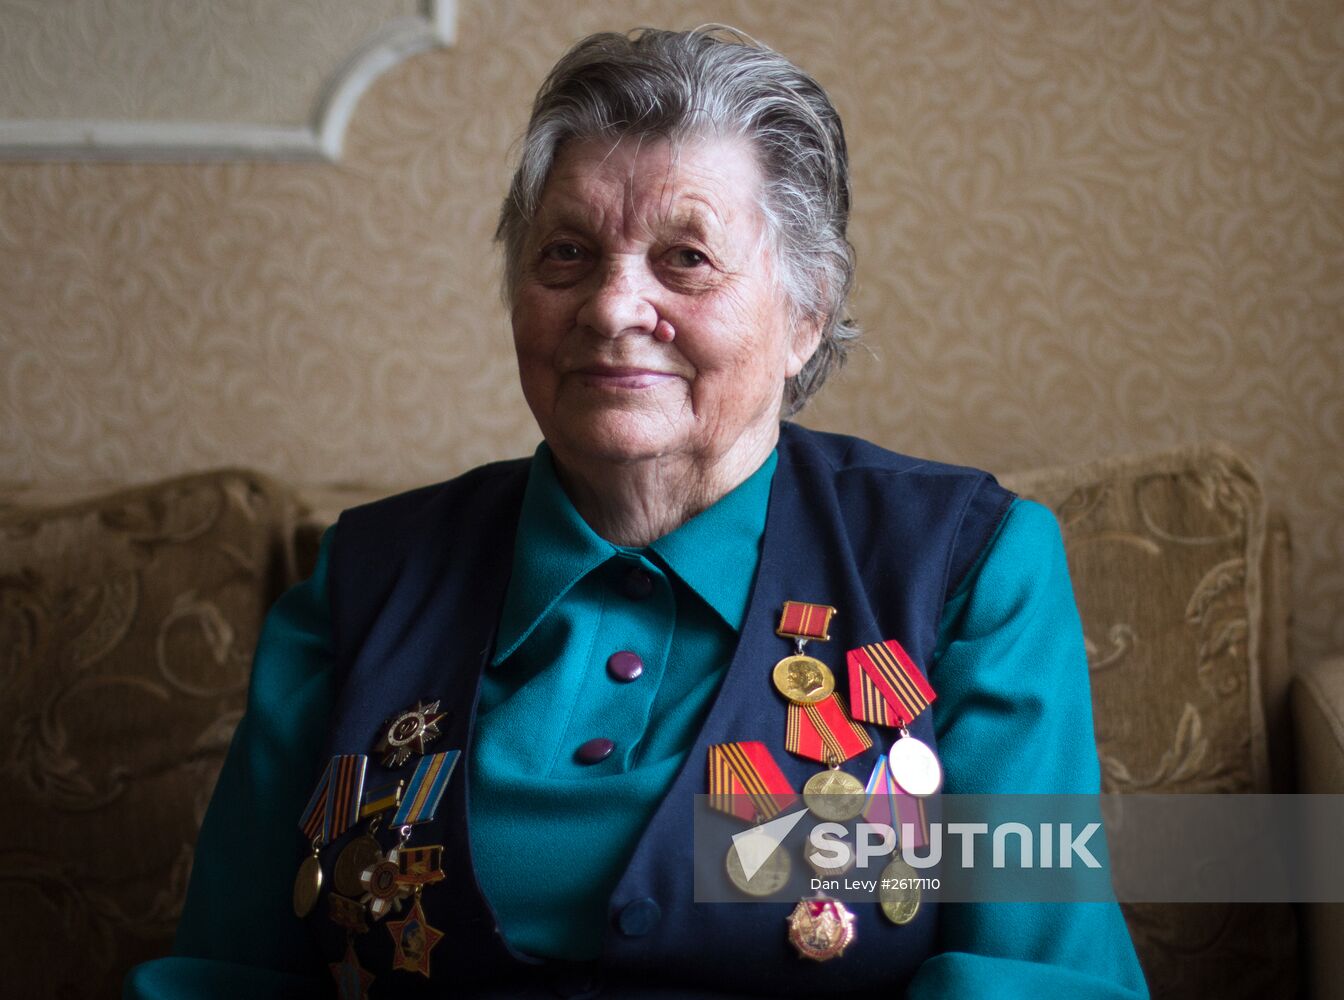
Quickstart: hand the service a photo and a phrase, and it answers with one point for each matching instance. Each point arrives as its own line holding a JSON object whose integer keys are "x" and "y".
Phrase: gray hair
{"x": 713, "y": 80}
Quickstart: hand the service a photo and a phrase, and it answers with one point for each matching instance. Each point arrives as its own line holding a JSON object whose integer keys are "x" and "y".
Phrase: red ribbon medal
{"x": 745, "y": 781}
{"x": 824, "y": 732}
{"x": 885, "y": 686}
{"x": 800, "y": 620}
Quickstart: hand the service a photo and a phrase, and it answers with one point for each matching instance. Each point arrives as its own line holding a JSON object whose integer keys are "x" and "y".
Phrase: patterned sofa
{"x": 127, "y": 622}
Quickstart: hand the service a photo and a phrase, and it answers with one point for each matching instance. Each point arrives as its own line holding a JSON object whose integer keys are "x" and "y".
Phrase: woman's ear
{"x": 806, "y": 338}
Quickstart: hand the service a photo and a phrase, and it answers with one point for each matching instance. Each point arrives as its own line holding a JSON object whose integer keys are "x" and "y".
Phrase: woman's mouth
{"x": 622, "y": 376}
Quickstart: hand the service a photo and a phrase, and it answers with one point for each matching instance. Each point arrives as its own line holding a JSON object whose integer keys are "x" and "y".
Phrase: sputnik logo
{"x": 755, "y": 846}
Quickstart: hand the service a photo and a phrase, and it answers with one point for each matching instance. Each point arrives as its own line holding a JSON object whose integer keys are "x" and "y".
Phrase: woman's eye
{"x": 563, "y": 253}
{"x": 688, "y": 257}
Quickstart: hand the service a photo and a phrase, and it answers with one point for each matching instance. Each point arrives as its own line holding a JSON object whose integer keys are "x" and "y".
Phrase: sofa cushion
{"x": 127, "y": 624}
{"x": 1184, "y": 625}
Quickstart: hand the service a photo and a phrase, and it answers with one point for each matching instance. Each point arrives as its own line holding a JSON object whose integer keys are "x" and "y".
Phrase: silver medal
{"x": 914, "y": 767}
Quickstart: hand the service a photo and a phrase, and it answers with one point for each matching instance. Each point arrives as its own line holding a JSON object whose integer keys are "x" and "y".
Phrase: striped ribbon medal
{"x": 745, "y": 781}
{"x": 425, "y": 789}
{"x": 888, "y": 689}
{"x": 825, "y": 732}
{"x": 407, "y": 870}
{"x": 803, "y": 679}
{"x": 332, "y": 809}
{"x": 885, "y": 686}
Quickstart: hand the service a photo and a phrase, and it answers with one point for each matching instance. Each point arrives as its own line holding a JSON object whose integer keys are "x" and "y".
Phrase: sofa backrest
{"x": 127, "y": 624}
{"x": 1180, "y": 576}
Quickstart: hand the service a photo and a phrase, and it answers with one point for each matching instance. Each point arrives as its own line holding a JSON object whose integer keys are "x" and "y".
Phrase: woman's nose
{"x": 619, "y": 301}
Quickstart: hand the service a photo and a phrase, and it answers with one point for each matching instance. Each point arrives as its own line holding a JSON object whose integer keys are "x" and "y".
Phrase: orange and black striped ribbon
{"x": 805, "y": 621}
{"x": 420, "y": 865}
{"x": 745, "y": 781}
{"x": 334, "y": 805}
{"x": 824, "y": 731}
{"x": 885, "y": 685}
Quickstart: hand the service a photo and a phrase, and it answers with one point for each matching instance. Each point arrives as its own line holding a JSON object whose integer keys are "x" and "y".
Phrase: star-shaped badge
{"x": 414, "y": 940}
{"x": 352, "y": 981}
{"x": 410, "y": 733}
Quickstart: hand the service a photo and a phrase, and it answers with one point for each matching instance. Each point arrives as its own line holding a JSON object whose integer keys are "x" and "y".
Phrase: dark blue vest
{"x": 417, "y": 582}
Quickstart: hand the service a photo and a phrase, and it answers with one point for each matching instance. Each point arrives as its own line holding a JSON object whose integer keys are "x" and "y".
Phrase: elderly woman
{"x": 592, "y": 631}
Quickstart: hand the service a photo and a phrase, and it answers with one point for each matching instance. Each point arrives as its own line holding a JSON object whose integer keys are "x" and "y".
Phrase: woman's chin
{"x": 617, "y": 437}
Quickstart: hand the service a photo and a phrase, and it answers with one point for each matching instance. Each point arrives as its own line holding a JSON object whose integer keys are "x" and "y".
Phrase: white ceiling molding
{"x": 322, "y": 138}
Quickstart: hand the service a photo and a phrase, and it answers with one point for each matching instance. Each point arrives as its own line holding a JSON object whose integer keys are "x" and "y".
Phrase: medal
{"x": 351, "y": 862}
{"x": 425, "y": 789}
{"x": 420, "y": 866}
{"x": 899, "y": 892}
{"x": 383, "y": 892}
{"x": 413, "y": 938}
{"x": 307, "y": 885}
{"x": 333, "y": 807}
{"x": 352, "y": 982}
{"x": 331, "y": 810}
{"x": 885, "y": 686}
{"x": 382, "y": 799}
{"x": 824, "y": 732}
{"x": 914, "y": 767}
{"x": 800, "y": 620}
{"x": 745, "y": 781}
{"x": 772, "y": 875}
{"x": 821, "y": 928}
{"x": 346, "y": 913}
{"x": 803, "y": 679}
{"x": 410, "y": 733}
{"x": 820, "y": 861}
{"x": 834, "y": 795}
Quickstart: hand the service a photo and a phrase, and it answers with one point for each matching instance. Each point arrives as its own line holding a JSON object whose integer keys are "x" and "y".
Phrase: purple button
{"x": 594, "y": 751}
{"x": 625, "y": 665}
{"x": 638, "y": 583}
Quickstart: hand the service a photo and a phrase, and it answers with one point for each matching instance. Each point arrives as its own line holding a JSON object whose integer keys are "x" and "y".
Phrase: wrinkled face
{"x": 647, "y": 319}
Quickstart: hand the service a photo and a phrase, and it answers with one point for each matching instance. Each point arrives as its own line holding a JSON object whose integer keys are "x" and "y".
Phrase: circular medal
{"x": 834, "y": 795}
{"x": 307, "y": 885}
{"x": 914, "y": 767}
{"x": 768, "y": 879}
{"x": 804, "y": 680}
{"x": 357, "y": 855}
{"x": 899, "y": 892}
{"x": 822, "y": 862}
{"x": 821, "y": 928}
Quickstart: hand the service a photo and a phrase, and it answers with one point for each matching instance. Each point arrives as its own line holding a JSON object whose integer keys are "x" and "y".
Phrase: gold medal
{"x": 804, "y": 680}
{"x": 307, "y": 885}
{"x": 834, "y": 795}
{"x": 821, "y": 928}
{"x": 820, "y": 861}
{"x": 899, "y": 892}
{"x": 357, "y": 855}
{"x": 768, "y": 879}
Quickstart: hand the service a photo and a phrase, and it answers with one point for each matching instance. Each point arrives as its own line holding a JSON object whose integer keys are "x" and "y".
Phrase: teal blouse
{"x": 1009, "y": 670}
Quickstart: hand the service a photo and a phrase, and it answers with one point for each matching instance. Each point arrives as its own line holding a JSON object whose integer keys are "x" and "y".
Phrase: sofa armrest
{"x": 1317, "y": 707}
{"x": 1317, "y": 700}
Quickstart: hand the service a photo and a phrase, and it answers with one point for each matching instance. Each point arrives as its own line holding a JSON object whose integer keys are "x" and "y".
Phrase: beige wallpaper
{"x": 249, "y": 61}
{"x": 1084, "y": 229}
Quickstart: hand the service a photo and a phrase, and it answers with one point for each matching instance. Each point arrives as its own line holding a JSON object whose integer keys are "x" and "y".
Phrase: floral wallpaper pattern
{"x": 1084, "y": 229}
